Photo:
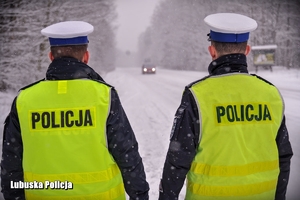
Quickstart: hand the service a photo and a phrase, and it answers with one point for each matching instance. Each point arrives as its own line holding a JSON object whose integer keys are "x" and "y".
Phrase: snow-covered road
{"x": 150, "y": 102}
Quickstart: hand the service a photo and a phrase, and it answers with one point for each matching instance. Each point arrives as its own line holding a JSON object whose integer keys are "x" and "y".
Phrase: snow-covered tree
{"x": 178, "y": 33}
{"x": 23, "y": 51}
{"x": 20, "y": 45}
{"x": 174, "y": 35}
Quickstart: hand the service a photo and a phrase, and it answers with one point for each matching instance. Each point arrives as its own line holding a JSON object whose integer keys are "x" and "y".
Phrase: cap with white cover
{"x": 229, "y": 27}
{"x": 68, "y": 33}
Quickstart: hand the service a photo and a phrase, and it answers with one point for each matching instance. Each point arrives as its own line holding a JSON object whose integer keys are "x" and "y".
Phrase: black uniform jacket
{"x": 182, "y": 149}
{"x": 121, "y": 140}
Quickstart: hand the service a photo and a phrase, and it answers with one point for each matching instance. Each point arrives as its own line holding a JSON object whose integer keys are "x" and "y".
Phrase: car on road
{"x": 148, "y": 68}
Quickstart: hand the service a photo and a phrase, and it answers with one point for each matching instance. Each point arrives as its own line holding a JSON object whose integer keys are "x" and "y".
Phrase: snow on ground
{"x": 150, "y": 102}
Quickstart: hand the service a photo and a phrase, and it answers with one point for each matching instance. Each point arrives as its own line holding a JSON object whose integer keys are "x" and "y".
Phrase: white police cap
{"x": 68, "y": 33}
{"x": 230, "y": 27}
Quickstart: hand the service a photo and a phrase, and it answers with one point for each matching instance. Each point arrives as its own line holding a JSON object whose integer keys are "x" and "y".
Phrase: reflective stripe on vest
{"x": 237, "y": 157}
{"x": 64, "y": 139}
{"x": 111, "y": 194}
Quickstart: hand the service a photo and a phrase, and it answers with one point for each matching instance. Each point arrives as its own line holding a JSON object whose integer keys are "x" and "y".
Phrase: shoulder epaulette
{"x": 103, "y": 82}
{"x": 261, "y": 79}
{"x": 197, "y": 81}
{"x": 27, "y": 86}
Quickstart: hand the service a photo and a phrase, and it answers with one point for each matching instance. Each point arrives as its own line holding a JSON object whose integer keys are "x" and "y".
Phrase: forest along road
{"x": 151, "y": 100}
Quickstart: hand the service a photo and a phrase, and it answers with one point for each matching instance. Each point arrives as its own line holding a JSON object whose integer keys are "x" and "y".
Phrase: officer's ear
{"x": 248, "y": 49}
{"x": 50, "y": 55}
{"x": 86, "y": 57}
{"x": 212, "y": 51}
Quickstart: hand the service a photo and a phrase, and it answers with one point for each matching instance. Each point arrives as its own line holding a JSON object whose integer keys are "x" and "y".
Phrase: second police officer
{"x": 229, "y": 135}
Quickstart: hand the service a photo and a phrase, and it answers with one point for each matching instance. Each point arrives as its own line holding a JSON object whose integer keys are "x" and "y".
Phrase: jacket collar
{"x": 68, "y": 68}
{"x": 230, "y": 63}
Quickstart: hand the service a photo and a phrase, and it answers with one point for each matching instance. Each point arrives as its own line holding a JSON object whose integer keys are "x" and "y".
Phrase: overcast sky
{"x": 134, "y": 16}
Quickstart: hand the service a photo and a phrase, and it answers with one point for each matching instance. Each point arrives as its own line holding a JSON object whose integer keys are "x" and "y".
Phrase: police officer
{"x": 67, "y": 136}
{"x": 229, "y": 136}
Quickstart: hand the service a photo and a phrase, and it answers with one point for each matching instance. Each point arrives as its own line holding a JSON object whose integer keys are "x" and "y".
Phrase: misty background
{"x": 176, "y": 37}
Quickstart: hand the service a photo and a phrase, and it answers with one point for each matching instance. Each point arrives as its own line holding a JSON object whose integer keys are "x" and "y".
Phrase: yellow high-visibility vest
{"x": 237, "y": 156}
{"x": 63, "y": 128}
